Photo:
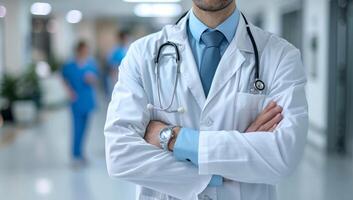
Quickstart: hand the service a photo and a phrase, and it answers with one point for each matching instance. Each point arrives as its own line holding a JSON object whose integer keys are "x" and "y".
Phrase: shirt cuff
{"x": 187, "y": 146}
{"x": 186, "y": 149}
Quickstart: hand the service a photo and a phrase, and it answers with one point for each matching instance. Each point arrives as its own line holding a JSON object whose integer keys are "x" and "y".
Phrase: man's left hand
{"x": 152, "y": 132}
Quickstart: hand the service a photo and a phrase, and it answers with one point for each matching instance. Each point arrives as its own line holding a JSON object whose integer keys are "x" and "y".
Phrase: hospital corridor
{"x": 62, "y": 62}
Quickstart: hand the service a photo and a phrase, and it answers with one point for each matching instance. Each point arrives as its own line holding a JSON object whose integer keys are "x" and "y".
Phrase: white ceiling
{"x": 97, "y": 8}
{"x": 114, "y": 8}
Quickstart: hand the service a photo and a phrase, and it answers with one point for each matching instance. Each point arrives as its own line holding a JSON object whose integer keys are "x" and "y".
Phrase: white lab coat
{"x": 251, "y": 163}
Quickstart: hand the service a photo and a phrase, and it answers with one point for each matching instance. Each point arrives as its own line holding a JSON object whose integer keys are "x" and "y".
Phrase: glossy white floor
{"x": 35, "y": 164}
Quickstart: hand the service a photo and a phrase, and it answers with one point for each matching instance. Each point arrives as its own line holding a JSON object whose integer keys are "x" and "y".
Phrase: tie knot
{"x": 212, "y": 38}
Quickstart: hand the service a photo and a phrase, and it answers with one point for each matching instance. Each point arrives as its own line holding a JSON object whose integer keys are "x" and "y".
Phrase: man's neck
{"x": 213, "y": 19}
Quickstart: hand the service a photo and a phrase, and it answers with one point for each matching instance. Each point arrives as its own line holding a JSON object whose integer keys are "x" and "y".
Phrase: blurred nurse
{"x": 80, "y": 75}
{"x": 114, "y": 58}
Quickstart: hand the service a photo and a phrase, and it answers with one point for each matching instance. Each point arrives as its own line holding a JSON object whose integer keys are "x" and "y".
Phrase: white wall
{"x": 63, "y": 38}
{"x": 17, "y": 30}
{"x": 67, "y": 35}
{"x": 86, "y": 30}
{"x": 317, "y": 23}
{"x": 2, "y": 47}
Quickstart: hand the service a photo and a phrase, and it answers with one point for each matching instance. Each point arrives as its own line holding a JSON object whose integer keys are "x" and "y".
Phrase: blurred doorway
{"x": 2, "y": 46}
{"x": 350, "y": 72}
{"x": 40, "y": 38}
{"x": 292, "y": 26}
{"x": 340, "y": 99}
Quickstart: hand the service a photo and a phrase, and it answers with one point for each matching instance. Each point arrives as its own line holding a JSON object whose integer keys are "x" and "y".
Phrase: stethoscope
{"x": 258, "y": 85}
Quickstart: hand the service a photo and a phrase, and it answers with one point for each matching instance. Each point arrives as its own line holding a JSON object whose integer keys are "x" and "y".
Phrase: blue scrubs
{"x": 116, "y": 56}
{"x": 74, "y": 75}
{"x": 114, "y": 59}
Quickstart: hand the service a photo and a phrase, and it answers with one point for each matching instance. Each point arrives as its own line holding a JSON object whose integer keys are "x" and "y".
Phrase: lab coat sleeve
{"x": 263, "y": 157}
{"x": 129, "y": 157}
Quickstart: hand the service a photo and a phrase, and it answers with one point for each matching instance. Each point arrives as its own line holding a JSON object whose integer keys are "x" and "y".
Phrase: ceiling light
{"x": 40, "y": 8}
{"x": 74, "y": 16}
{"x": 157, "y": 10}
{"x": 2, "y": 11}
{"x": 152, "y": 1}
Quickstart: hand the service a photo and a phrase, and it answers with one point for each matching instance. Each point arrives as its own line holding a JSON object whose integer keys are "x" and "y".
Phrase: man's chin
{"x": 212, "y": 7}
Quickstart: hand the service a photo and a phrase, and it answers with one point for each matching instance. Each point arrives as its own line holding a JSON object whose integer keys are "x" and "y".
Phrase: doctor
{"x": 220, "y": 138}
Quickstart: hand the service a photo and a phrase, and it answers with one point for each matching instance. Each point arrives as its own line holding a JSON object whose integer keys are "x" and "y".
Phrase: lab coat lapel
{"x": 188, "y": 68}
{"x": 231, "y": 61}
{"x": 190, "y": 75}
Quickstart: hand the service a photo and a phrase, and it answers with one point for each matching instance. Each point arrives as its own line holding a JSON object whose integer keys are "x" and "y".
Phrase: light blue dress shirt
{"x": 187, "y": 144}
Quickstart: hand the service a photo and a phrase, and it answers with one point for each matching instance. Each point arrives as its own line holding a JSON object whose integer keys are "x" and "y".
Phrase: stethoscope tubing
{"x": 256, "y": 52}
{"x": 159, "y": 87}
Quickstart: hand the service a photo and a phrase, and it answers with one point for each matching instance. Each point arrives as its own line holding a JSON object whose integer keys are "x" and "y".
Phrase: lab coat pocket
{"x": 248, "y": 106}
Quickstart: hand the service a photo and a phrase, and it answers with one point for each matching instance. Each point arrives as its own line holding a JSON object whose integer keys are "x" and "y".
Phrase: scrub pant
{"x": 80, "y": 122}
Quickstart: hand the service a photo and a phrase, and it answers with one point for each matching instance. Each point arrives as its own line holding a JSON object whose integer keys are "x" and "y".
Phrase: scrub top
{"x": 74, "y": 75}
{"x": 116, "y": 56}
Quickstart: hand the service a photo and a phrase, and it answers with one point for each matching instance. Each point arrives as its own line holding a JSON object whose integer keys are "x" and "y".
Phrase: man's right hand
{"x": 267, "y": 120}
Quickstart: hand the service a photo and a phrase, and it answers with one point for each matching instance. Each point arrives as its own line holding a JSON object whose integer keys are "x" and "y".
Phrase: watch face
{"x": 164, "y": 135}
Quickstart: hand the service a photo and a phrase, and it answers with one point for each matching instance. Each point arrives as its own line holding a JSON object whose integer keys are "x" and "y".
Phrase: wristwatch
{"x": 165, "y": 135}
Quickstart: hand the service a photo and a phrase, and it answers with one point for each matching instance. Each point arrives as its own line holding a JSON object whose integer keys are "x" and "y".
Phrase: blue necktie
{"x": 210, "y": 58}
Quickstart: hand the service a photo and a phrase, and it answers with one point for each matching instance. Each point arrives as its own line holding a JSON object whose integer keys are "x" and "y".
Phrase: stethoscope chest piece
{"x": 259, "y": 85}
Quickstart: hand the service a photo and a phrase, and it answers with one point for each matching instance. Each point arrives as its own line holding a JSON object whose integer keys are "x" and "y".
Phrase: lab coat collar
{"x": 242, "y": 40}
{"x": 177, "y": 33}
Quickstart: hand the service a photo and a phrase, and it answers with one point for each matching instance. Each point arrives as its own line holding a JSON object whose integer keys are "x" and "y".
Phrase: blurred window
{"x": 292, "y": 27}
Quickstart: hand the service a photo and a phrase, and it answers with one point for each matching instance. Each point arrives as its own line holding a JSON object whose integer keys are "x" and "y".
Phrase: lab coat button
{"x": 209, "y": 122}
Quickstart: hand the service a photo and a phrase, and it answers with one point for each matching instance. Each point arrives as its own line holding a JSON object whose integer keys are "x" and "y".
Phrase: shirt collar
{"x": 228, "y": 27}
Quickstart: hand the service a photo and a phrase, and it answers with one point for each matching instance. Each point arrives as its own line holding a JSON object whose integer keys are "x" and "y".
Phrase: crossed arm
{"x": 266, "y": 121}
{"x": 258, "y": 158}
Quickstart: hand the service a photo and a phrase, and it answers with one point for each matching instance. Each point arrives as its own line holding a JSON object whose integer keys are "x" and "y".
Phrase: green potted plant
{"x": 27, "y": 101}
{"x": 8, "y": 95}
{"x": 27, "y": 86}
{"x": 21, "y": 95}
